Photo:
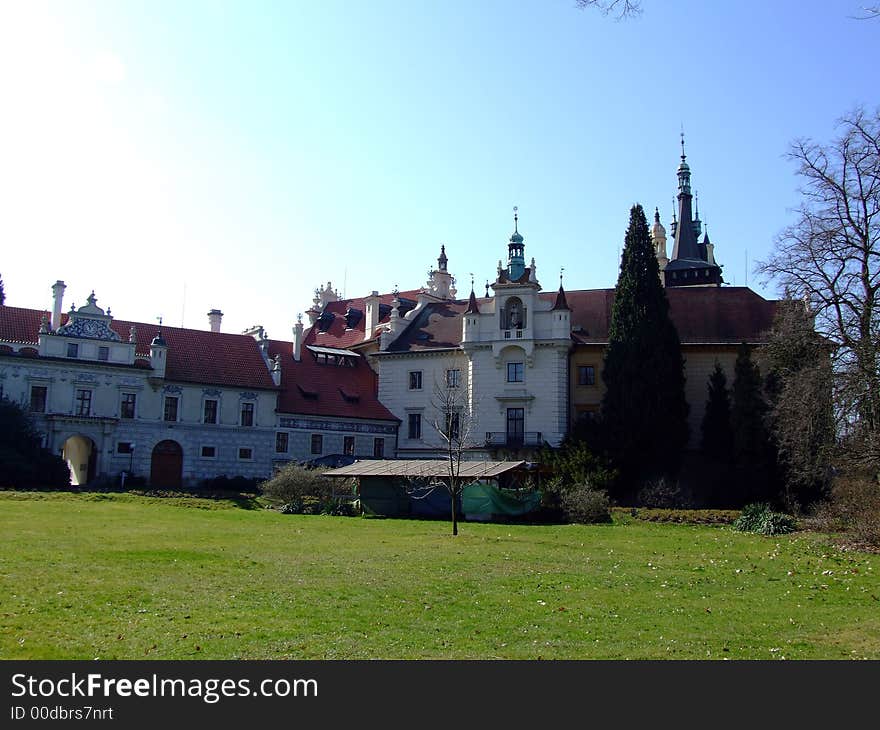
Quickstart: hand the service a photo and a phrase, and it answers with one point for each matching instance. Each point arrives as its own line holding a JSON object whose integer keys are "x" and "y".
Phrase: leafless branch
{"x": 620, "y": 9}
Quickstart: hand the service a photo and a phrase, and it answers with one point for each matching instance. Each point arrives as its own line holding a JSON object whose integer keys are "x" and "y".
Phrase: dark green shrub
{"x": 24, "y": 463}
{"x": 759, "y": 518}
{"x": 223, "y": 483}
{"x": 662, "y": 493}
{"x": 297, "y": 482}
{"x": 585, "y": 505}
{"x": 683, "y": 516}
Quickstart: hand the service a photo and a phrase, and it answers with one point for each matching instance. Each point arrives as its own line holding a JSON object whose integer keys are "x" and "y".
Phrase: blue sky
{"x": 179, "y": 156}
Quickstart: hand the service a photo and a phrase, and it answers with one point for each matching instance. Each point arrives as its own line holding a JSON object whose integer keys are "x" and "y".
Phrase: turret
{"x": 471, "y": 320}
{"x": 158, "y": 353}
{"x": 561, "y": 324}
{"x": 658, "y": 238}
{"x": 516, "y": 262}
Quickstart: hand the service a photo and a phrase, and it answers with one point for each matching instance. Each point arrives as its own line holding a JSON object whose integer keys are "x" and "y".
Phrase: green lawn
{"x": 124, "y": 577}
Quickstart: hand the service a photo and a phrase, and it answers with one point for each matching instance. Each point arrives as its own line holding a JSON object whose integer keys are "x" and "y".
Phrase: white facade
{"x": 512, "y": 352}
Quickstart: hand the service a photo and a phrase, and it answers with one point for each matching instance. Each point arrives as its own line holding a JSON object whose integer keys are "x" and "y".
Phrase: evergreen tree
{"x": 644, "y": 412}
{"x": 800, "y": 404}
{"x": 753, "y": 452}
{"x": 717, "y": 434}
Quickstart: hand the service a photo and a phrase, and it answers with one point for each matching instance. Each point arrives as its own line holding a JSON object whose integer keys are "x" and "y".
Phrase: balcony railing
{"x": 513, "y": 440}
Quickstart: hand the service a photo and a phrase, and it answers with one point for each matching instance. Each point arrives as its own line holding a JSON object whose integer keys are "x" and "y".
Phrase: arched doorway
{"x": 81, "y": 456}
{"x": 166, "y": 464}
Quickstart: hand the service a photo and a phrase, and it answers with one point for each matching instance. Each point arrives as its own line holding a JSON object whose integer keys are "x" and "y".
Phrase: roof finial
{"x": 515, "y": 219}
{"x": 472, "y": 280}
{"x": 682, "y": 141}
{"x": 673, "y": 209}
{"x": 561, "y": 269}
{"x": 697, "y": 205}
{"x": 656, "y": 214}
{"x": 160, "y": 323}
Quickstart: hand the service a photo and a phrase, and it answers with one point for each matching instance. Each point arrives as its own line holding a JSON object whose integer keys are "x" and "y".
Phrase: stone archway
{"x": 81, "y": 456}
{"x": 166, "y": 464}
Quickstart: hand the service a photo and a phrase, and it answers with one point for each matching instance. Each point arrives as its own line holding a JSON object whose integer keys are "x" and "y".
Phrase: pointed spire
{"x": 560, "y": 295}
{"x": 656, "y": 214}
{"x": 442, "y": 260}
{"x": 473, "y": 307}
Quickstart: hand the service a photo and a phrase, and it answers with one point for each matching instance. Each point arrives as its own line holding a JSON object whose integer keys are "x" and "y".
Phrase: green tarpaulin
{"x": 482, "y": 501}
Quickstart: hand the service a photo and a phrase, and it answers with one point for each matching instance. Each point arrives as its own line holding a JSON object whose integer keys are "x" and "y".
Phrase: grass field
{"x": 124, "y": 577}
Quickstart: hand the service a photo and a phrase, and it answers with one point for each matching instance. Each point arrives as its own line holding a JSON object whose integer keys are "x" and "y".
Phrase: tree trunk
{"x": 454, "y": 515}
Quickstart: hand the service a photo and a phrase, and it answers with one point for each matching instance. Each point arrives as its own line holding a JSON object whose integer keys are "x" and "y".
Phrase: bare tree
{"x": 620, "y": 9}
{"x": 831, "y": 256}
{"x": 454, "y": 418}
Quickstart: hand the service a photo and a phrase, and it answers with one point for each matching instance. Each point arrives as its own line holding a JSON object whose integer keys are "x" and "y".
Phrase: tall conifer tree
{"x": 644, "y": 412}
{"x": 753, "y": 450}
{"x": 717, "y": 434}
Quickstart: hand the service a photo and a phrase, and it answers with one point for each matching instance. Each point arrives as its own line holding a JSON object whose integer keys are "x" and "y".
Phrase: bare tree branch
{"x": 620, "y": 9}
{"x": 831, "y": 254}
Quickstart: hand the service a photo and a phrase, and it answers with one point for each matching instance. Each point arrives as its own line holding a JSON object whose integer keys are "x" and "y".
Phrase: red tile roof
{"x": 312, "y": 388}
{"x": 339, "y": 335}
{"x": 701, "y": 315}
{"x": 194, "y": 356}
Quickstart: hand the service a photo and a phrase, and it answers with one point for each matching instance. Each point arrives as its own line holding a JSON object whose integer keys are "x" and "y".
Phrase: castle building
{"x": 177, "y": 405}
{"x": 366, "y": 377}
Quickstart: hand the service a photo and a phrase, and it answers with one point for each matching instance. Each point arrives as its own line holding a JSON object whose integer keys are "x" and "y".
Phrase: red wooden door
{"x": 166, "y": 465}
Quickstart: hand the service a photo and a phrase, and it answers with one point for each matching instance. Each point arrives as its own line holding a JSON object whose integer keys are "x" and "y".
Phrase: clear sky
{"x": 179, "y": 156}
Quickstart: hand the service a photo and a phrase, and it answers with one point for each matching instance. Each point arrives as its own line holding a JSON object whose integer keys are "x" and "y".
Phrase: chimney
{"x": 371, "y": 316}
{"x": 215, "y": 316}
{"x": 298, "y": 338}
{"x": 58, "y": 295}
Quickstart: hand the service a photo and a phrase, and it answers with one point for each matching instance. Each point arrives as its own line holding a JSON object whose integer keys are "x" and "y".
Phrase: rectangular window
{"x": 245, "y": 454}
{"x": 124, "y": 447}
{"x": 103, "y": 353}
{"x": 209, "y": 452}
{"x": 72, "y": 349}
{"x": 516, "y": 423}
{"x": 414, "y": 421}
{"x": 348, "y": 445}
{"x": 210, "y": 411}
{"x": 453, "y": 378}
{"x": 247, "y": 414}
{"x": 170, "y": 408}
{"x": 415, "y": 380}
{"x": 126, "y": 408}
{"x": 452, "y": 425}
{"x": 281, "y": 442}
{"x": 586, "y": 375}
{"x": 83, "y": 402}
{"x": 514, "y": 372}
{"x": 38, "y": 398}
{"x": 317, "y": 443}
{"x": 378, "y": 448}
